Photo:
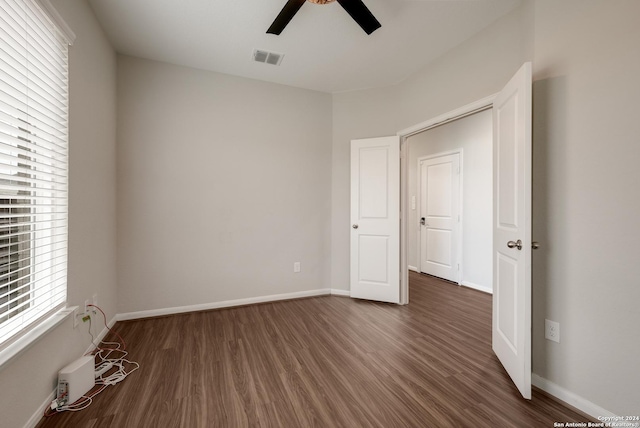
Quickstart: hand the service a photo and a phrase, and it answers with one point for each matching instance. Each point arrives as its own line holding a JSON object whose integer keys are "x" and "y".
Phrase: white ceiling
{"x": 324, "y": 48}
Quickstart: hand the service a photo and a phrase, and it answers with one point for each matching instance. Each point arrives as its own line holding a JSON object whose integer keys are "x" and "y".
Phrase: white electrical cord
{"x": 105, "y": 375}
{"x": 109, "y": 370}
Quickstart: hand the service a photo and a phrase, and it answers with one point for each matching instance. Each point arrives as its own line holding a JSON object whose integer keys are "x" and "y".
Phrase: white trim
{"x": 37, "y": 416}
{"x": 338, "y": 292}
{"x": 404, "y": 217}
{"x": 478, "y": 287}
{"x": 413, "y": 268}
{"x": 474, "y": 107}
{"x": 471, "y": 108}
{"x": 570, "y": 398}
{"x": 15, "y": 349}
{"x": 57, "y": 20}
{"x": 102, "y": 334}
{"x": 224, "y": 304}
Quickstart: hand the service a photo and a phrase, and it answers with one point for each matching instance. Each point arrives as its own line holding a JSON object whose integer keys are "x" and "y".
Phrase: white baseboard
{"x": 477, "y": 287}
{"x": 37, "y": 416}
{"x": 413, "y": 268}
{"x": 337, "y": 292}
{"x": 102, "y": 334}
{"x": 570, "y": 398}
{"x": 224, "y": 304}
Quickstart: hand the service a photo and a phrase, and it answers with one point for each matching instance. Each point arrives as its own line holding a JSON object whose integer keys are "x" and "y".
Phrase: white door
{"x": 440, "y": 216}
{"x": 375, "y": 219}
{"x": 512, "y": 229}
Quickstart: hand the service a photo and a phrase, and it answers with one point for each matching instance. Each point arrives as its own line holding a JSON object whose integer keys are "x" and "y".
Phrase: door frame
{"x": 458, "y": 152}
{"x": 469, "y": 109}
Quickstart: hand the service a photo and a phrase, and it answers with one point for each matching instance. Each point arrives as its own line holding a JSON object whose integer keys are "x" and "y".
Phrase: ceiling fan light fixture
{"x": 321, "y": 1}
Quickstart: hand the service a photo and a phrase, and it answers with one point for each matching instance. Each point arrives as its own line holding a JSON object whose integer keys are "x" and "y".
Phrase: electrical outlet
{"x": 296, "y": 267}
{"x": 95, "y": 299}
{"x": 75, "y": 317}
{"x": 86, "y": 306}
{"x": 552, "y": 330}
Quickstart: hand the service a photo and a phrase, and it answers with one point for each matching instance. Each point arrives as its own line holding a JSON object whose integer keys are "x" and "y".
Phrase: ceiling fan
{"x": 355, "y": 8}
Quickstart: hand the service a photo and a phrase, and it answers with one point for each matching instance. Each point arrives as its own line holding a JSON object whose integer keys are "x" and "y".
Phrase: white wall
{"x": 223, "y": 183}
{"x": 31, "y": 378}
{"x": 586, "y": 152}
{"x": 473, "y": 136}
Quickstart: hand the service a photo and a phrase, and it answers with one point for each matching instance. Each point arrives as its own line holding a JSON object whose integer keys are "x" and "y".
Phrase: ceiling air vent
{"x": 272, "y": 58}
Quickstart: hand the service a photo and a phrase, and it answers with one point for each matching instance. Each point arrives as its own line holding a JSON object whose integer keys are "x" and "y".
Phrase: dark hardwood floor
{"x": 324, "y": 361}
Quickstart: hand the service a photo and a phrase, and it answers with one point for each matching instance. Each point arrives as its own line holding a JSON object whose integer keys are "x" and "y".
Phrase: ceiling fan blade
{"x": 288, "y": 11}
{"x": 361, "y": 14}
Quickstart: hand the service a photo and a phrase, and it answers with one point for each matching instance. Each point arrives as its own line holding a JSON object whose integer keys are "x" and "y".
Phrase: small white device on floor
{"x": 75, "y": 380}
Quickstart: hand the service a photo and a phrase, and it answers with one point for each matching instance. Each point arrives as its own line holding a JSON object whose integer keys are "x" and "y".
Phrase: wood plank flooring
{"x": 326, "y": 362}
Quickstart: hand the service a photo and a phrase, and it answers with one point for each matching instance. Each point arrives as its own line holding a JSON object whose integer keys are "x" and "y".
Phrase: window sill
{"x": 8, "y": 354}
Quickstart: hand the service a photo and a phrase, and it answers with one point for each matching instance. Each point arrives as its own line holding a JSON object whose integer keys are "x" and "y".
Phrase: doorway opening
{"x": 433, "y": 137}
{"x": 451, "y": 182}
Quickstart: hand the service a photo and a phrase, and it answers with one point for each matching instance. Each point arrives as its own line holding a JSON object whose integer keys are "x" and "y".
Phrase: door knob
{"x": 355, "y": 226}
{"x": 517, "y": 244}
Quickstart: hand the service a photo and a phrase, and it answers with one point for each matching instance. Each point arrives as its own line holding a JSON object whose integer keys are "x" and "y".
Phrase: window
{"x": 33, "y": 167}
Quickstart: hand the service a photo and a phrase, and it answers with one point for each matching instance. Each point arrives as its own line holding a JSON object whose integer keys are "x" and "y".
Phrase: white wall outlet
{"x": 552, "y": 330}
{"x": 296, "y": 267}
{"x": 86, "y": 305}
{"x": 95, "y": 299}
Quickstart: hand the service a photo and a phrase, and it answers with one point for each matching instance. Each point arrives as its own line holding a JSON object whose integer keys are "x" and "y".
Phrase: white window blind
{"x": 33, "y": 167}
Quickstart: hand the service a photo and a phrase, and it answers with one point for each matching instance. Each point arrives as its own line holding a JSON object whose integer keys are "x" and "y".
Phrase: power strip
{"x": 103, "y": 368}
